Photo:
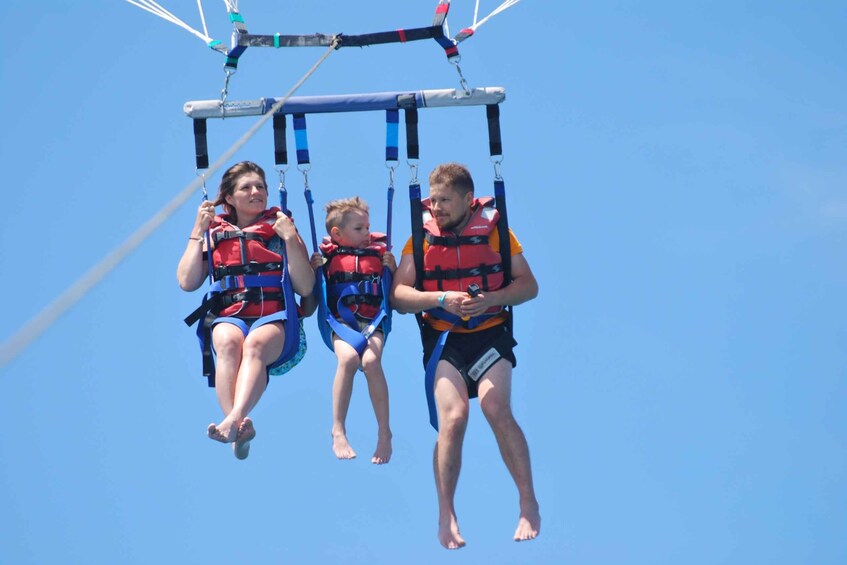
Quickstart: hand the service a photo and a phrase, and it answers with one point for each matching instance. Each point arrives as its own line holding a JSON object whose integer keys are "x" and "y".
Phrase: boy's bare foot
{"x": 341, "y": 447}
{"x": 382, "y": 455}
{"x": 529, "y": 525}
{"x": 246, "y": 432}
{"x": 448, "y": 533}
{"x": 224, "y": 432}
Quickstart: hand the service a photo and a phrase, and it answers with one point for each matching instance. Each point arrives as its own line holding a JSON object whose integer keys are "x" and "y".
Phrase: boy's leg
{"x": 378, "y": 391}
{"x": 342, "y": 390}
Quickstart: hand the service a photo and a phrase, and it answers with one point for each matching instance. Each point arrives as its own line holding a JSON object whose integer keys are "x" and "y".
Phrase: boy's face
{"x": 355, "y": 230}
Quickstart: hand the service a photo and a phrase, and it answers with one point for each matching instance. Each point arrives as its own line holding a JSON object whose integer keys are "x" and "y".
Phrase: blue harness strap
{"x": 288, "y": 316}
{"x": 347, "y": 328}
{"x": 432, "y": 363}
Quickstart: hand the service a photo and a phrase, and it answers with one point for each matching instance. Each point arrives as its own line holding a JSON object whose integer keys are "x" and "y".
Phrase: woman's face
{"x": 250, "y": 197}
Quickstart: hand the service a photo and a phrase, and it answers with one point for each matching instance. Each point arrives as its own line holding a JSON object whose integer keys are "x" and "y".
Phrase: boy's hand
{"x": 317, "y": 260}
{"x": 389, "y": 261}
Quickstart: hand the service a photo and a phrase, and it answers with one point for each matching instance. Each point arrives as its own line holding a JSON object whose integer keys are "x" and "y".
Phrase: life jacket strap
{"x": 248, "y": 269}
{"x": 456, "y": 240}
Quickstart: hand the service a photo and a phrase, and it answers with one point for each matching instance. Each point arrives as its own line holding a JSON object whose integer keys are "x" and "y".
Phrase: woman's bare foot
{"x": 224, "y": 432}
{"x": 341, "y": 447}
{"x": 529, "y": 524}
{"x": 246, "y": 432}
{"x": 382, "y": 455}
{"x": 448, "y": 533}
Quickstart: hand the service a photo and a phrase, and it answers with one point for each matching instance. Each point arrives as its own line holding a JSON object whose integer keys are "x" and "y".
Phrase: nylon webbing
{"x": 495, "y": 144}
{"x": 412, "y": 147}
{"x": 301, "y": 139}
{"x": 392, "y": 133}
{"x": 280, "y": 146}
{"x": 201, "y": 146}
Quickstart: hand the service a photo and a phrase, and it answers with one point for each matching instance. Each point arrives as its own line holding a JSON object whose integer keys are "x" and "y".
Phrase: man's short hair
{"x": 337, "y": 210}
{"x": 454, "y": 175}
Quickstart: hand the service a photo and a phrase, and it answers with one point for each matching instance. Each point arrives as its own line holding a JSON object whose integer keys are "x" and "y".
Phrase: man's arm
{"x": 405, "y": 298}
{"x": 523, "y": 287}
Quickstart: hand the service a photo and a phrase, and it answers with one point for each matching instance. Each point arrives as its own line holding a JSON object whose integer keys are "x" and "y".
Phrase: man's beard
{"x": 451, "y": 226}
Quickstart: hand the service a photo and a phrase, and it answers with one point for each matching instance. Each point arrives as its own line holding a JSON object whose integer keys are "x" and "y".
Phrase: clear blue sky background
{"x": 676, "y": 174}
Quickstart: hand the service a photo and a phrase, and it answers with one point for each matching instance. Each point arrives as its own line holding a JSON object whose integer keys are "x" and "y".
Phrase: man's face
{"x": 449, "y": 208}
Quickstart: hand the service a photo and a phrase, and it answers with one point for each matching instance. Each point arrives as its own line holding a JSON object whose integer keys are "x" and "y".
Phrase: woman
{"x": 248, "y": 333}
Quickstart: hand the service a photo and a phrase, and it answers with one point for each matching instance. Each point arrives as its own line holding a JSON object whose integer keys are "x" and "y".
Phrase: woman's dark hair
{"x": 230, "y": 179}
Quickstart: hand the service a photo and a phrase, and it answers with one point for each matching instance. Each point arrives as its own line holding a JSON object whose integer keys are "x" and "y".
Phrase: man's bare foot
{"x": 382, "y": 455}
{"x": 529, "y": 525}
{"x": 448, "y": 533}
{"x": 341, "y": 447}
{"x": 224, "y": 432}
{"x": 246, "y": 432}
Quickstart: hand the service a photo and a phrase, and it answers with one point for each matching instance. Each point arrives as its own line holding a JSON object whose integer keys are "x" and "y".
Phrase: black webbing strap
{"x": 456, "y": 241}
{"x": 357, "y": 251}
{"x": 416, "y": 209}
{"x": 324, "y": 40}
{"x": 247, "y": 269}
{"x": 280, "y": 147}
{"x": 495, "y": 144}
{"x": 412, "y": 147}
{"x": 201, "y": 146}
{"x": 219, "y": 236}
{"x": 439, "y": 274}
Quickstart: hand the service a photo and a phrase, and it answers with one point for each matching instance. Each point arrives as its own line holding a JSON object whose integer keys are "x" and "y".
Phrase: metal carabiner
{"x": 498, "y": 167}
{"x": 202, "y": 175}
{"x": 462, "y": 82}
{"x": 225, "y": 90}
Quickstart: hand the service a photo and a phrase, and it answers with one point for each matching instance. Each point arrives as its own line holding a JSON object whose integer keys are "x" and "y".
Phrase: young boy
{"x": 351, "y": 253}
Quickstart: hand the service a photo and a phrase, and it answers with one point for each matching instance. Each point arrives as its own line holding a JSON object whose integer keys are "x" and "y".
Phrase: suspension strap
{"x": 201, "y": 146}
{"x": 392, "y": 134}
{"x": 415, "y": 207}
{"x": 495, "y": 145}
{"x": 237, "y": 50}
{"x": 449, "y": 46}
{"x": 301, "y": 140}
{"x": 281, "y": 159}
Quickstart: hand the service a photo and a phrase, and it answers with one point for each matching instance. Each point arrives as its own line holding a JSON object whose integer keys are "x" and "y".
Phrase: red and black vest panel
{"x": 454, "y": 261}
{"x": 251, "y": 251}
{"x": 355, "y": 266}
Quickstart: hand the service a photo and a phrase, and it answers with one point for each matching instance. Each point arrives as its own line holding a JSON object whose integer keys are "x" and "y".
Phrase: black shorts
{"x": 464, "y": 350}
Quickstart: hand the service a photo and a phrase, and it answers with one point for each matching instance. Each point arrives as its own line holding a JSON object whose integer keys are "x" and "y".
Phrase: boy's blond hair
{"x": 337, "y": 210}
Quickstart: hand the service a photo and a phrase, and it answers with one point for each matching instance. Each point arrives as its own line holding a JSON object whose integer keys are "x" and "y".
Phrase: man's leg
{"x": 495, "y": 391}
{"x": 451, "y": 397}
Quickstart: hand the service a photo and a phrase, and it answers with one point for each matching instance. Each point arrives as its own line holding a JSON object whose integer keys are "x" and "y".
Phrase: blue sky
{"x": 675, "y": 173}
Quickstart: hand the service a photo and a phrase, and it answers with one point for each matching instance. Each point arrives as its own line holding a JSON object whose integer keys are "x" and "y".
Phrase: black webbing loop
{"x": 412, "y": 147}
{"x": 201, "y": 147}
{"x": 280, "y": 147}
{"x": 503, "y": 229}
{"x": 495, "y": 145}
{"x": 416, "y": 209}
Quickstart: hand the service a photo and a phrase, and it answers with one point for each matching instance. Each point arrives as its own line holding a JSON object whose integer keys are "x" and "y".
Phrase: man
{"x": 477, "y": 358}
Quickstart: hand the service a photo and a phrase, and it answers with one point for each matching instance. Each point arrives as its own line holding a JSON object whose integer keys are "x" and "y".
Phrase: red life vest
{"x": 352, "y": 265}
{"x": 245, "y": 251}
{"x": 454, "y": 261}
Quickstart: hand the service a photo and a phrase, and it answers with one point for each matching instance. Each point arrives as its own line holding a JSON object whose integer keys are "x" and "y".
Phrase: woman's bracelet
{"x": 441, "y": 299}
{"x": 200, "y": 239}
